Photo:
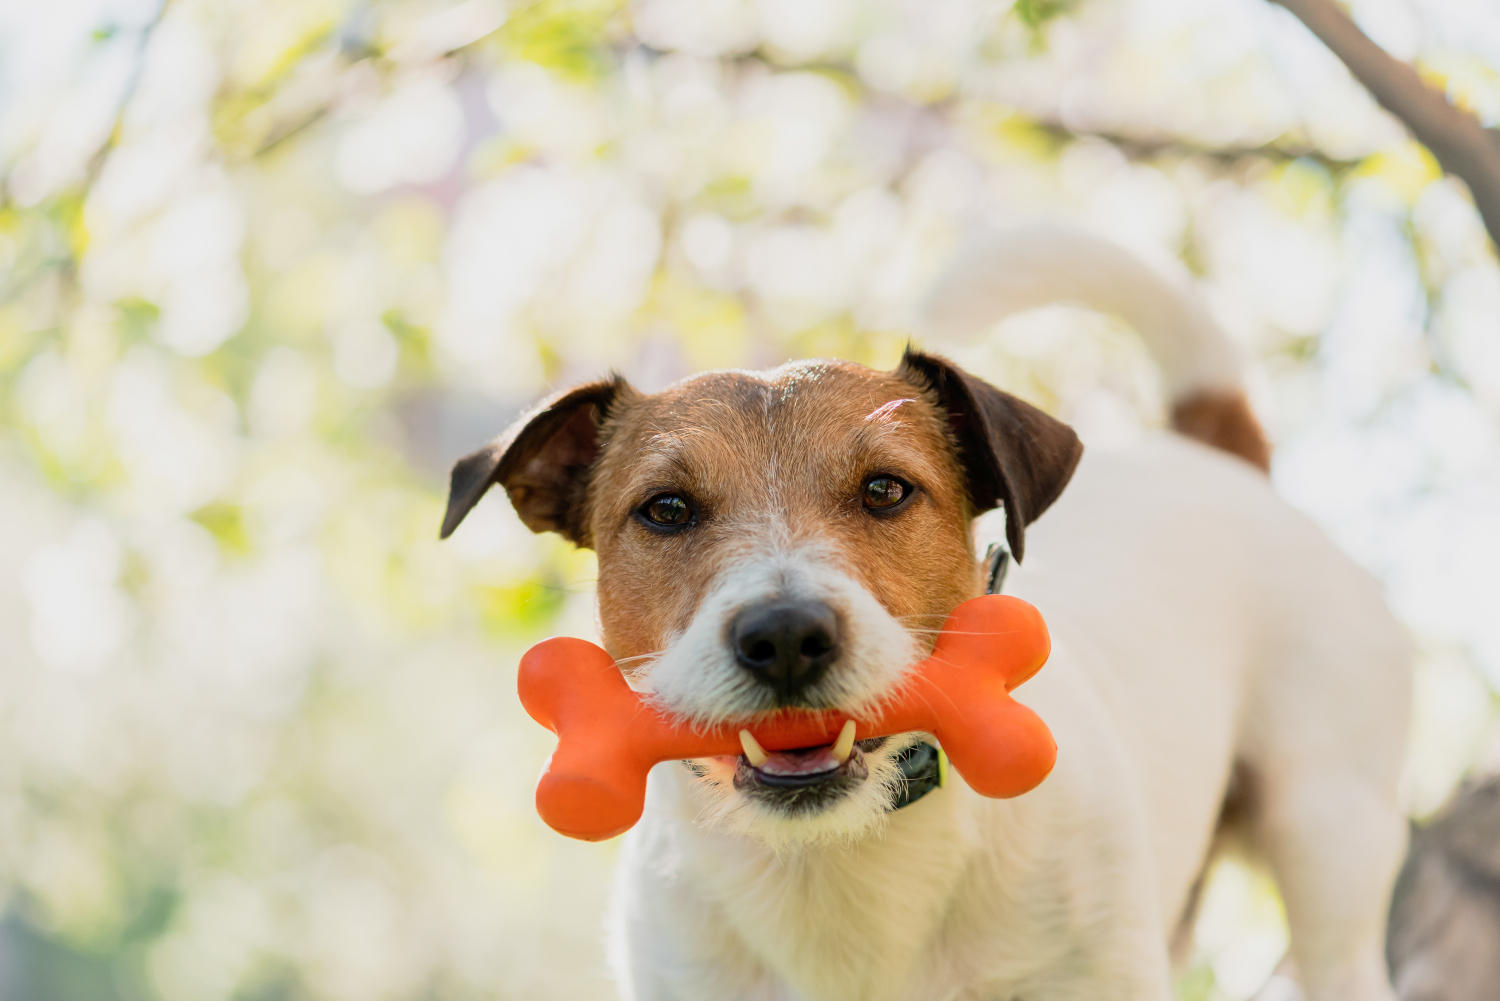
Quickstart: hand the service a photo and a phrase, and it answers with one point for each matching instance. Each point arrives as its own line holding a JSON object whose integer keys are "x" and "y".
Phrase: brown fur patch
{"x": 776, "y": 458}
{"x": 1224, "y": 420}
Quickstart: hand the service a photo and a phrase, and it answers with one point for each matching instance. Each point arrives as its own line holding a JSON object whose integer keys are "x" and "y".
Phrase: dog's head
{"x": 786, "y": 538}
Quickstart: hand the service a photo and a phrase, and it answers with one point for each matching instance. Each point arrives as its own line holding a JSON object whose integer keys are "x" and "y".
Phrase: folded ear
{"x": 543, "y": 461}
{"x": 1012, "y": 453}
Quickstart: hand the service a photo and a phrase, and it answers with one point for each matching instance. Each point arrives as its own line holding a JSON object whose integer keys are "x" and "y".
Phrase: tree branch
{"x": 1463, "y": 147}
{"x": 1151, "y": 146}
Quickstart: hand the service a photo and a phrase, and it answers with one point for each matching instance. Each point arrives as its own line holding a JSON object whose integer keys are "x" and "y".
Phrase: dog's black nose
{"x": 787, "y": 645}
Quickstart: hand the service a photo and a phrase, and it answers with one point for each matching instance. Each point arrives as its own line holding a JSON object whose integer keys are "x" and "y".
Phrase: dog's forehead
{"x": 783, "y": 403}
{"x": 805, "y": 427}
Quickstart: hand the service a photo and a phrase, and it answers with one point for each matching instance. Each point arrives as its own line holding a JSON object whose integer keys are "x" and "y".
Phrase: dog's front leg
{"x": 1119, "y": 955}
{"x": 1065, "y": 896}
{"x": 1132, "y": 966}
{"x": 664, "y": 947}
{"x": 665, "y": 941}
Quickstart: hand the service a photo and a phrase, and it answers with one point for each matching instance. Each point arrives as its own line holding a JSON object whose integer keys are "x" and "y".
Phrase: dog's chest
{"x": 846, "y": 922}
{"x": 830, "y": 923}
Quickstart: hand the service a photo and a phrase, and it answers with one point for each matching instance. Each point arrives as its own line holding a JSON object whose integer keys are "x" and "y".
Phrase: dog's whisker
{"x": 640, "y": 656}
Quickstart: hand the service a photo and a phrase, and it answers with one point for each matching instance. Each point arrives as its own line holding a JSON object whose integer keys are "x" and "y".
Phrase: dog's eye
{"x": 668, "y": 510}
{"x": 884, "y": 492}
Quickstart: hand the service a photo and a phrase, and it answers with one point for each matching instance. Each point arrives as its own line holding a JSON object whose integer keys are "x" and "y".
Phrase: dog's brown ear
{"x": 1012, "y": 453}
{"x": 542, "y": 461}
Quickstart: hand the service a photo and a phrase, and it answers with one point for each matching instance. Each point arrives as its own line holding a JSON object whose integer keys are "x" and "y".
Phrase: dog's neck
{"x": 843, "y": 919}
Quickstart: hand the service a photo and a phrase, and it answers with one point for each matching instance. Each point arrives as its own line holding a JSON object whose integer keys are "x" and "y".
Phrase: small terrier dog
{"x": 795, "y": 537}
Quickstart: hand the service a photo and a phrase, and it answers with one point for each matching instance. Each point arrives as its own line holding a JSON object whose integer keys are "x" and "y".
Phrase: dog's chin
{"x": 803, "y": 797}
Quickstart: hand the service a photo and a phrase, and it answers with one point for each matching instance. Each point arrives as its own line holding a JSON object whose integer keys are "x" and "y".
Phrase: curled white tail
{"x": 1012, "y": 271}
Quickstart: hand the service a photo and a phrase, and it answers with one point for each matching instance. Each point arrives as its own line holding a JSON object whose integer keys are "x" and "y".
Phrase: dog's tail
{"x": 1016, "y": 270}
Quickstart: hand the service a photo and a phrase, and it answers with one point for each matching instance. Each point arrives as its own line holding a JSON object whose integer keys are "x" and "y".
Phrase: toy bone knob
{"x": 594, "y": 785}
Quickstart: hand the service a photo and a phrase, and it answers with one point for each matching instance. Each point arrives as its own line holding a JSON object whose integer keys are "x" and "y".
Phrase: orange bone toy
{"x": 594, "y": 785}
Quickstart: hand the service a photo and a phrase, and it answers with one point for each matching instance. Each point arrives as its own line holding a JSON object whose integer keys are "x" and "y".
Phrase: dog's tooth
{"x": 753, "y": 750}
{"x": 844, "y": 746}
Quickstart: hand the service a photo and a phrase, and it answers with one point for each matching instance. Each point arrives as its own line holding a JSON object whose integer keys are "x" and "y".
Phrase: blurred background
{"x": 268, "y": 266}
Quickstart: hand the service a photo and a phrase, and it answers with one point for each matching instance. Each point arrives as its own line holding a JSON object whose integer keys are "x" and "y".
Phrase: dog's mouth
{"x": 805, "y": 779}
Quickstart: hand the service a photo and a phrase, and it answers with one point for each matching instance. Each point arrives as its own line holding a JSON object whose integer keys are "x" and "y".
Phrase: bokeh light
{"x": 269, "y": 266}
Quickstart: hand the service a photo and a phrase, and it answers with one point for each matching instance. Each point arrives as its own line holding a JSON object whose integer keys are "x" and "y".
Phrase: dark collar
{"x": 924, "y": 769}
{"x": 996, "y": 566}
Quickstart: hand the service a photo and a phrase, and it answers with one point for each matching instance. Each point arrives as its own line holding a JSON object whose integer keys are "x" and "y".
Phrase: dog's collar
{"x": 925, "y": 768}
{"x": 996, "y": 565}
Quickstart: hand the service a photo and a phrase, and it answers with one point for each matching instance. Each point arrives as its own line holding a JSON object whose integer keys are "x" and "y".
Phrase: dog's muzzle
{"x": 787, "y": 646}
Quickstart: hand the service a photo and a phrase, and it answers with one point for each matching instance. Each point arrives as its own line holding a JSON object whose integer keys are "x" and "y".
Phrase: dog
{"x": 795, "y": 537}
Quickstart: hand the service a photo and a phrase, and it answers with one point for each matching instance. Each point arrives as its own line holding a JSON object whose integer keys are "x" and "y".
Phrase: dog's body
{"x": 1198, "y": 624}
{"x": 1208, "y": 644}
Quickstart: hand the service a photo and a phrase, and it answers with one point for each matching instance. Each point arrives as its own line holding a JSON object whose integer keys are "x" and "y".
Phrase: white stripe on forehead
{"x": 885, "y": 412}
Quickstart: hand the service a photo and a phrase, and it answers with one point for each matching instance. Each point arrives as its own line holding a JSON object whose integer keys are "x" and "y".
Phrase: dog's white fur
{"x": 697, "y": 675}
{"x": 1202, "y": 629}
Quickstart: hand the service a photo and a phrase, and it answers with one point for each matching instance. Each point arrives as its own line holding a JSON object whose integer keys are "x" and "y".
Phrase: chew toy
{"x": 594, "y": 785}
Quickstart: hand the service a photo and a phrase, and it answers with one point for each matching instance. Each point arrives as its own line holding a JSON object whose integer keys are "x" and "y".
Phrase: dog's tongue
{"x": 807, "y": 761}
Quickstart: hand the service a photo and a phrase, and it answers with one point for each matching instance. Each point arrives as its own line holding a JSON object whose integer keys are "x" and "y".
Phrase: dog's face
{"x": 788, "y": 538}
